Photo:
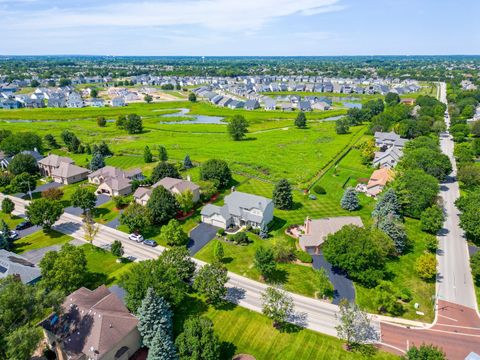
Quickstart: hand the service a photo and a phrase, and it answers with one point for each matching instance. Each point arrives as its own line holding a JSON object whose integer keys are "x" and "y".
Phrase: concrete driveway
{"x": 101, "y": 199}
{"x": 200, "y": 236}
{"x": 343, "y": 286}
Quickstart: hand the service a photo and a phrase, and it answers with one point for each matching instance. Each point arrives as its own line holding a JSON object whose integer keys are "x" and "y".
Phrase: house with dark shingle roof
{"x": 93, "y": 324}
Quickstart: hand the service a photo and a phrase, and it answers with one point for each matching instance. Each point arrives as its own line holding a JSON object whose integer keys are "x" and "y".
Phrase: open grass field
{"x": 274, "y": 149}
{"x": 242, "y": 331}
{"x": 40, "y": 239}
{"x": 105, "y": 213}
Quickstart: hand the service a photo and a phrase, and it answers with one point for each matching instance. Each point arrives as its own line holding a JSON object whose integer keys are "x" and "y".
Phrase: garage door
{"x": 217, "y": 223}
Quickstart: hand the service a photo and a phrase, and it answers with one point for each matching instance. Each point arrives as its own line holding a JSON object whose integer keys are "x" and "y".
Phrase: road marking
{"x": 393, "y": 347}
{"x": 455, "y": 333}
{"x": 449, "y": 318}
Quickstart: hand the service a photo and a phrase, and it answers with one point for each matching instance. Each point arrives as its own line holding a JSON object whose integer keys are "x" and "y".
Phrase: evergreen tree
{"x": 192, "y": 97}
{"x": 301, "y": 120}
{"x": 147, "y": 155}
{"x": 162, "y": 153}
{"x": 154, "y": 314}
{"x": 218, "y": 252}
{"x": 396, "y": 231}
{"x": 97, "y": 161}
{"x": 387, "y": 205}
{"x": 350, "y": 200}
{"x": 5, "y": 242}
{"x": 187, "y": 163}
{"x": 162, "y": 347}
{"x": 282, "y": 195}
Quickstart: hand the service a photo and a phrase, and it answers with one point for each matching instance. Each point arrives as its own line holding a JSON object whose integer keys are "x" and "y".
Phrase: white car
{"x": 136, "y": 237}
{"x": 12, "y": 235}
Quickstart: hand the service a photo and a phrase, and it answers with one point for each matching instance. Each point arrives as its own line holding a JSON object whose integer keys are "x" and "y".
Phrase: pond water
{"x": 192, "y": 119}
{"x": 351, "y": 105}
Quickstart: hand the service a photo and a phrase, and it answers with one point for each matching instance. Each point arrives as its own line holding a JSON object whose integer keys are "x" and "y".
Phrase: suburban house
{"x": 62, "y": 169}
{"x": 93, "y": 324}
{"x": 114, "y": 181}
{"x": 75, "y": 100}
{"x": 391, "y": 149}
{"x": 175, "y": 186}
{"x": 19, "y": 267}
{"x": 315, "y": 231}
{"x": 385, "y": 140}
{"x": 97, "y": 102}
{"x": 378, "y": 180}
{"x": 251, "y": 105}
{"x": 240, "y": 209}
{"x": 388, "y": 158}
{"x": 117, "y": 101}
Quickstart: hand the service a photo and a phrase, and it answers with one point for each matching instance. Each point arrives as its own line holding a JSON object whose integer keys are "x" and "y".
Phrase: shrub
{"x": 221, "y": 232}
{"x": 431, "y": 242}
{"x": 426, "y": 266}
{"x": 240, "y": 238}
{"x": 52, "y": 194}
{"x": 303, "y": 256}
{"x": 117, "y": 248}
{"x": 320, "y": 190}
{"x": 405, "y": 295}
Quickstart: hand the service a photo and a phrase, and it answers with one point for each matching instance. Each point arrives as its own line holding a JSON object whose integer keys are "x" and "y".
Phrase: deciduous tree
{"x": 7, "y": 206}
{"x": 431, "y": 219}
{"x": 162, "y": 205}
{"x": 136, "y": 218}
{"x": 216, "y": 170}
{"x": 164, "y": 169}
{"x": 44, "y": 212}
{"x": 173, "y": 234}
{"x": 198, "y": 340}
{"x": 277, "y": 305}
{"x": 265, "y": 261}
{"x": 237, "y": 127}
{"x": 210, "y": 282}
{"x": 23, "y": 163}
{"x": 84, "y": 198}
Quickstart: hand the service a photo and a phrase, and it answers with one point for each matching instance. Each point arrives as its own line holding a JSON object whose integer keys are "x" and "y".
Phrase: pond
{"x": 192, "y": 119}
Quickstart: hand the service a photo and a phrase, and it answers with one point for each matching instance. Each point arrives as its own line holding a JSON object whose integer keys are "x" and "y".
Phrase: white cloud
{"x": 220, "y": 15}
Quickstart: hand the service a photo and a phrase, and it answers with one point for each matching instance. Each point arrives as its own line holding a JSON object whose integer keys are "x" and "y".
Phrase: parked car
{"x": 24, "y": 225}
{"x": 151, "y": 243}
{"x": 136, "y": 237}
{"x": 12, "y": 235}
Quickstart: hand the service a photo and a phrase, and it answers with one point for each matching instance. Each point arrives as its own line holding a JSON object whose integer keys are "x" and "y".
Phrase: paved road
{"x": 343, "y": 286}
{"x": 454, "y": 279}
{"x": 456, "y": 331}
{"x": 310, "y": 313}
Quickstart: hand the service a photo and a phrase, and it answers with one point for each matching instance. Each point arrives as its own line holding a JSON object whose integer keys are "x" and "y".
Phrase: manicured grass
{"x": 403, "y": 276}
{"x": 40, "y": 239}
{"x": 103, "y": 265}
{"x": 239, "y": 259}
{"x": 11, "y": 220}
{"x": 242, "y": 331}
{"x": 106, "y": 212}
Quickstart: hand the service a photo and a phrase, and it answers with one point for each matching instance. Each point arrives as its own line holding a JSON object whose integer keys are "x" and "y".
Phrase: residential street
{"x": 457, "y": 325}
{"x": 454, "y": 278}
{"x": 310, "y": 313}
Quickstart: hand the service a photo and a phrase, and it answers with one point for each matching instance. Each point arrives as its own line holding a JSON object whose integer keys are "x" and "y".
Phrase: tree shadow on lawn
{"x": 100, "y": 212}
{"x": 227, "y": 260}
{"x": 18, "y": 244}
{"x": 189, "y": 307}
{"x": 276, "y": 224}
{"x": 279, "y": 276}
{"x": 227, "y": 350}
{"x": 297, "y": 206}
{"x": 94, "y": 280}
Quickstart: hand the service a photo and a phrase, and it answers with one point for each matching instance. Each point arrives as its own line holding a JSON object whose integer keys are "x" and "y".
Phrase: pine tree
{"x": 396, "y": 231}
{"x": 301, "y": 120}
{"x": 350, "y": 200}
{"x": 162, "y": 153}
{"x": 387, "y": 205}
{"x": 147, "y": 155}
{"x": 162, "y": 347}
{"x": 218, "y": 252}
{"x": 282, "y": 195}
{"x": 263, "y": 231}
{"x": 154, "y": 314}
{"x": 5, "y": 242}
{"x": 97, "y": 161}
{"x": 187, "y": 163}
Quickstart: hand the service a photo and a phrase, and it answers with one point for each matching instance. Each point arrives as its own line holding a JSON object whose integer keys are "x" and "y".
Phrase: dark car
{"x": 23, "y": 225}
{"x": 151, "y": 243}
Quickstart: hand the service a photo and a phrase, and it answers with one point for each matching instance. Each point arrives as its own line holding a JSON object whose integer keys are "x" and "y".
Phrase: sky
{"x": 239, "y": 27}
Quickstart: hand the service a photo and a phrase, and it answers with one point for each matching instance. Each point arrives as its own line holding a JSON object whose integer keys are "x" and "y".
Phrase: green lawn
{"x": 103, "y": 266}
{"x": 247, "y": 332}
{"x": 40, "y": 239}
{"x": 105, "y": 213}
{"x": 11, "y": 220}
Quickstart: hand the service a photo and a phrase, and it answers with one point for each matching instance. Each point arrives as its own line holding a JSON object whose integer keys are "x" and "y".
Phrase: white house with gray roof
{"x": 240, "y": 209}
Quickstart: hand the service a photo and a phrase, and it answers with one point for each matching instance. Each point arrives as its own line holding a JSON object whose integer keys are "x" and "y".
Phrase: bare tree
{"x": 90, "y": 227}
{"x": 355, "y": 327}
